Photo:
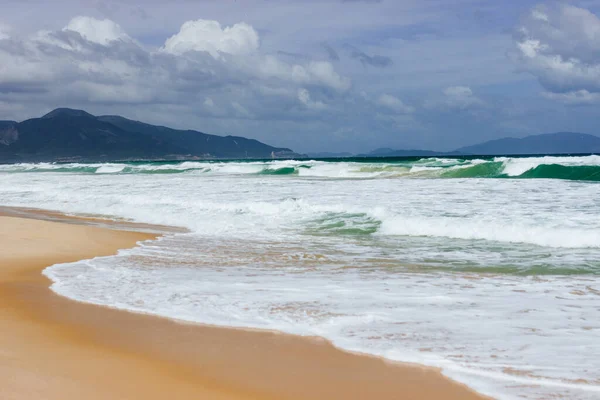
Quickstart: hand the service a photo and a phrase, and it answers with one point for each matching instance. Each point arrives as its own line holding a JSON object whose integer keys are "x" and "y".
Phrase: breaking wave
{"x": 585, "y": 168}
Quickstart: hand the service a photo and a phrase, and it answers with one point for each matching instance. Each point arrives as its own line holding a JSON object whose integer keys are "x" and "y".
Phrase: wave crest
{"x": 568, "y": 168}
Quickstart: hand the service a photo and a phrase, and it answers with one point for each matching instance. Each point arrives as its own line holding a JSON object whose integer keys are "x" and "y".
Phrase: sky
{"x": 330, "y": 75}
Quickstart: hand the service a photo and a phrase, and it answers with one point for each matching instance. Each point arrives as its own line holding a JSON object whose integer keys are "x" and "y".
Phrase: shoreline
{"x": 63, "y": 349}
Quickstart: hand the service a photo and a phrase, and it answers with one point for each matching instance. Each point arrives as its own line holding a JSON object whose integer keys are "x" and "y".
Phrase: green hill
{"x": 74, "y": 135}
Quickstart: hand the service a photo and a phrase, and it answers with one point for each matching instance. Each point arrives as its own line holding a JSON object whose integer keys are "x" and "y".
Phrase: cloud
{"x": 241, "y": 111}
{"x": 111, "y": 74}
{"x": 455, "y": 98}
{"x": 221, "y": 75}
{"x": 4, "y": 31}
{"x": 304, "y": 97}
{"x": 292, "y": 55}
{"x": 560, "y": 46}
{"x": 539, "y": 15}
{"x": 331, "y": 53}
{"x": 97, "y": 31}
{"x": 579, "y": 97}
{"x": 315, "y": 73}
{"x": 373, "y": 61}
{"x": 208, "y": 102}
{"x": 461, "y": 97}
{"x": 394, "y": 104}
{"x": 323, "y": 72}
{"x": 139, "y": 12}
{"x": 208, "y": 36}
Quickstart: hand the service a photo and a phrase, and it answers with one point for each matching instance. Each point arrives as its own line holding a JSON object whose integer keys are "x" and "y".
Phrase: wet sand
{"x": 55, "y": 348}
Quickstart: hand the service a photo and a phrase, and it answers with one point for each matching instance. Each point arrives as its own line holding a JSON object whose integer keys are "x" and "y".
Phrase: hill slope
{"x": 198, "y": 143}
{"x": 549, "y": 143}
{"x": 68, "y": 135}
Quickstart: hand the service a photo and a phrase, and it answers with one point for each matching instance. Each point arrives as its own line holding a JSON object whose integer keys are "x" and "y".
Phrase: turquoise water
{"x": 582, "y": 168}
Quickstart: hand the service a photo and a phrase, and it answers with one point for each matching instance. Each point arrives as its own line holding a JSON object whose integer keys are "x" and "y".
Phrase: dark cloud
{"x": 292, "y": 55}
{"x": 331, "y": 53}
{"x": 21, "y": 88}
{"x": 140, "y": 13}
{"x": 375, "y": 60}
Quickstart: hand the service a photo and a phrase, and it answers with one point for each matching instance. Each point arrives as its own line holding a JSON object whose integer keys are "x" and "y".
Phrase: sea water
{"x": 487, "y": 268}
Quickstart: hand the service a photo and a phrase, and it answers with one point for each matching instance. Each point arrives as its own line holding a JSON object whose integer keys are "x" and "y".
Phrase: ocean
{"x": 486, "y": 267}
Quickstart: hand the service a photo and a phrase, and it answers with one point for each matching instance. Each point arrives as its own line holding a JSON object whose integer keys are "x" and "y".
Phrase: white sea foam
{"x": 110, "y": 168}
{"x": 432, "y": 167}
{"x": 505, "y": 335}
{"x": 494, "y": 280}
{"x": 513, "y": 232}
{"x": 518, "y": 166}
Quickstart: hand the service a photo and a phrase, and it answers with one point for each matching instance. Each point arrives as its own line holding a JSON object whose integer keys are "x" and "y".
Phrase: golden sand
{"x": 55, "y": 348}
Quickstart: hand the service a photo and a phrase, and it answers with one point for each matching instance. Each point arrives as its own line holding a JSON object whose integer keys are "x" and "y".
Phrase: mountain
{"x": 330, "y": 155}
{"x": 75, "y": 135}
{"x": 67, "y": 112}
{"x": 550, "y": 143}
{"x": 8, "y": 133}
{"x": 70, "y": 135}
{"x": 387, "y": 152}
{"x": 198, "y": 143}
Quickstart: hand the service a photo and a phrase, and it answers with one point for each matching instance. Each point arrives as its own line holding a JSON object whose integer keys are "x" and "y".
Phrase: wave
{"x": 566, "y": 168}
{"x": 470, "y": 229}
{"x": 279, "y": 171}
{"x": 384, "y": 224}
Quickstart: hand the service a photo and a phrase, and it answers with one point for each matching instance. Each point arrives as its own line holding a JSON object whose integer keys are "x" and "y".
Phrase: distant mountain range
{"x": 387, "y": 152}
{"x": 74, "y": 135}
{"x": 549, "y": 143}
{"x": 327, "y": 154}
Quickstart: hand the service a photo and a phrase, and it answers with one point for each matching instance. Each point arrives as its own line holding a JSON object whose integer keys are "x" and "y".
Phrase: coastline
{"x": 57, "y": 348}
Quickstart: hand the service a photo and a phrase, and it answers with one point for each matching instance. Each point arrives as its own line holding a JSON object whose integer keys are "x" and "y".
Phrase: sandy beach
{"x": 55, "y": 348}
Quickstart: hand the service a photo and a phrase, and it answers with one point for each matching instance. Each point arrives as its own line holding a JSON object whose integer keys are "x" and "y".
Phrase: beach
{"x": 55, "y": 348}
{"x": 344, "y": 199}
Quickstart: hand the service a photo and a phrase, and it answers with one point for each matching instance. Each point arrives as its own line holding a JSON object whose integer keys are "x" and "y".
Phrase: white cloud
{"x": 205, "y": 35}
{"x": 531, "y": 47}
{"x": 304, "y": 97}
{"x": 539, "y": 14}
{"x": 105, "y": 71}
{"x": 461, "y": 97}
{"x": 574, "y": 97}
{"x": 241, "y": 110}
{"x": 323, "y": 72}
{"x": 97, "y": 31}
{"x": 455, "y": 98}
{"x": 240, "y": 43}
{"x": 395, "y": 104}
{"x": 95, "y": 62}
{"x": 560, "y": 45}
{"x": 315, "y": 73}
{"x": 4, "y": 31}
{"x": 208, "y": 102}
